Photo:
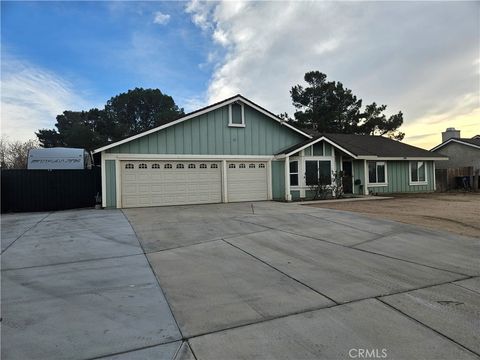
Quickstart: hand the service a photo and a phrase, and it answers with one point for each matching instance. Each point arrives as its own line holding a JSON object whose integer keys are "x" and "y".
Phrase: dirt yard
{"x": 455, "y": 212}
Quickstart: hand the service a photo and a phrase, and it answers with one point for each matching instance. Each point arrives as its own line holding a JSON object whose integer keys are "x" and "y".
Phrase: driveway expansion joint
{"x": 30, "y": 228}
{"x": 428, "y": 327}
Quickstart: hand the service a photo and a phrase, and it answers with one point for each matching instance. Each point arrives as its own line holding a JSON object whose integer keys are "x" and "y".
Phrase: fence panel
{"x": 48, "y": 190}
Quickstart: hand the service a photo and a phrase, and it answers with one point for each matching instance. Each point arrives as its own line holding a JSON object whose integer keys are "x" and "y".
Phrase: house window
{"x": 143, "y": 166}
{"x": 251, "y": 166}
{"x": 294, "y": 173}
{"x": 418, "y": 173}
{"x": 241, "y": 166}
{"x": 129, "y": 166}
{"x": 191, "y": 166}
{"x": 237, "y": 115}
{"x": 261, "y": 166}
{"x": 214, "y": 166}
{"x": 180, "y": 166}
{"x": 318, "y": 149}
{"x": 377, "y": 172}
{"x": 231, "y": 166}
{"x": 318, "y": 172}
{"x": 155, "y": 166}
{"x": 203, "y": 166}
{"x": 168, "y": 166}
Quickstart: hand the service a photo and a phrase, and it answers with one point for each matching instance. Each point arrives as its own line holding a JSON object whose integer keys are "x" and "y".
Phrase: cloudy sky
{"x": 422, "y": 58}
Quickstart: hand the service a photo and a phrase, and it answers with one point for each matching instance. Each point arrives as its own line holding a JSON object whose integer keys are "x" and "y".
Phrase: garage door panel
{"x": 247, "y": 181}
{"x": 158, "y": 183}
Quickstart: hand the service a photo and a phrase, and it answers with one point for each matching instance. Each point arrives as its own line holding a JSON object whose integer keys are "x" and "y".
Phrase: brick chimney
{"x": 450, "y": 133}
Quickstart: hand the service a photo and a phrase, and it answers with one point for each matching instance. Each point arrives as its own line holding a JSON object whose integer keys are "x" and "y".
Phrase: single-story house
{"x": 461, "y": 152}
{"x": 235, "y": 150}
{"x": 463, "y": 159}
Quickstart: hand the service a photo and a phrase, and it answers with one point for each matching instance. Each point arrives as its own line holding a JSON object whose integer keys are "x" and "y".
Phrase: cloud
{"x": 161, "y": 18}
{"x": 418, "y": 57}
{"x": 32, "y": 97}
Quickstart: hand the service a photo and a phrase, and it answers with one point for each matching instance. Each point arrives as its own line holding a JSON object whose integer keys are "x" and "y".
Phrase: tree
{"x": 327, "y": 106}
{"x": 14, "y": 154}
{"x": 124, "y": 115}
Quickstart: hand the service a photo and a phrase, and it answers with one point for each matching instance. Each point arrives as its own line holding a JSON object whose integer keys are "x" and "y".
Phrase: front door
{"x": 347, "y": 177}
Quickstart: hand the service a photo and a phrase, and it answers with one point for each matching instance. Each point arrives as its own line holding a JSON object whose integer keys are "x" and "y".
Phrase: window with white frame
{"x": 418, "y": 172}
{"x": 318, "y": 172}
{"x": 155, "y": 166}
{"x": 251, "y": 166}
{"x": 203, "y": 166}
{"x": 261, "y": 166}
{"x": 231, "y": 166}
{"x": 143, "y": 166}
{"x": 236, "y": 115}
{"x": 294, "y": 173}
{"x": 180, "y": 166}
{"x": 129, "y": 166}
{"x": 377, "y": 172}
{"x": 168, "y": 166}
{"x": 191, "y": 166}
{"x": 241, "y": 166}
{"x": 214, "y": 166}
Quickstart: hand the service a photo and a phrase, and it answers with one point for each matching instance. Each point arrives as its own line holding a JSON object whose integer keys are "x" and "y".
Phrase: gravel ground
{"x": 455, "y": 212}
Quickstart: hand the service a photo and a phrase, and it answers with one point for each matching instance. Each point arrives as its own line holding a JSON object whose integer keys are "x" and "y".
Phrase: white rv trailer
{"x": 59, "y": 158}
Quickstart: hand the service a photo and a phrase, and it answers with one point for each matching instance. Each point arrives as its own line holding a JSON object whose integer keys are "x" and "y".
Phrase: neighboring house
{"x": 461, "y": 152}
{"x": 236, "y": 150}
{"x": 463, "y": 159}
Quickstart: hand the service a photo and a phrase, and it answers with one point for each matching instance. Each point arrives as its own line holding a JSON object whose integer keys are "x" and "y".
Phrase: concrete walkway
{"x": 244, "y": 281}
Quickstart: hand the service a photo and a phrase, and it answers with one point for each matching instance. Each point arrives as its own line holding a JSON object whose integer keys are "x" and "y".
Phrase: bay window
{"x": 294, "y": 173}
{"x": 377, "y": 172}
{"x": 318, "y": 172}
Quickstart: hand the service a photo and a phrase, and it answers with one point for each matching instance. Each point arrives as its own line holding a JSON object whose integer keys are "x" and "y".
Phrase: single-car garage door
{"x": 157, "y": 183}
{"x": 247, "y": 181}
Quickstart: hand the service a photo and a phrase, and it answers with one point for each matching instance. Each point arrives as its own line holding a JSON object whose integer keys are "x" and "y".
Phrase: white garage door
{"x": 158, "y": 183}
{"x": 247, "y": 181}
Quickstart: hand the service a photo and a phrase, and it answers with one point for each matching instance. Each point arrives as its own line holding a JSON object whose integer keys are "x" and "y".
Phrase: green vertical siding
{"x": 110, "y": 191}
{"x": 398, "y": 179}
{"x": 278, "y": 180}
{"x": 358, "y": 173}
{"x": 295, "y": 194}
{"x": 209, "y": 134}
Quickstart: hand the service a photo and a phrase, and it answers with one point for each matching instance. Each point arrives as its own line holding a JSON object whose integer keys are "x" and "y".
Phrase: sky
{"x": 421, "y": 58}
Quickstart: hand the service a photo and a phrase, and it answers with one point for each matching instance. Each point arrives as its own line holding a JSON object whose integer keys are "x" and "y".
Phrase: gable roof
{"x": 201, "y": 111}
{"x": 474, "y": 142}
{"x": 367, "y": 147}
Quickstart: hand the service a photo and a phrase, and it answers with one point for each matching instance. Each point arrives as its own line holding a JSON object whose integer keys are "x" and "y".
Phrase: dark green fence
{"x": 48, "y": 190}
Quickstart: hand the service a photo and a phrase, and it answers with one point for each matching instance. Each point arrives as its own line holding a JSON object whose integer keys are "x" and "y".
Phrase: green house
{"x": 235, "y": 150}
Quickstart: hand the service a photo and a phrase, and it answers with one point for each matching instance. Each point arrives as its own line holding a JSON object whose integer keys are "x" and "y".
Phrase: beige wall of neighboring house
{"x": 459, "y": 155}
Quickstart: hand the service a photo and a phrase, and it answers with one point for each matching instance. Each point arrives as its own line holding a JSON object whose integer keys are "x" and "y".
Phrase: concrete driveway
{"x": 238, "y": 281}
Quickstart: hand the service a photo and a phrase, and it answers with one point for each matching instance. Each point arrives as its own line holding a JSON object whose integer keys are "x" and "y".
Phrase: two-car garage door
{"x": 160, "y": 183}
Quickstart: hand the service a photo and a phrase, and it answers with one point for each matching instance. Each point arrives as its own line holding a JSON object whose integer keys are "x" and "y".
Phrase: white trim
{"x": 224, "y": 182}
{"x": 434, "y": 178}
{"x": 288, "y": 195}
{"x": 377, "y": 158}
{"x": 120, "y": 156}
{"x": 118, "y": 183}
{"x": 459, "y": 141}
{"x": 314, "y": 142}
{"x": 230, "y": 114}
{"x": 417, "y": 183}
{"x": 269, "y": 180}
{"x": 198, "y": 113}
{"x": 385, "y": 183}
{"x": 104, "y": 180}
{"x": 365, "y": 177}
